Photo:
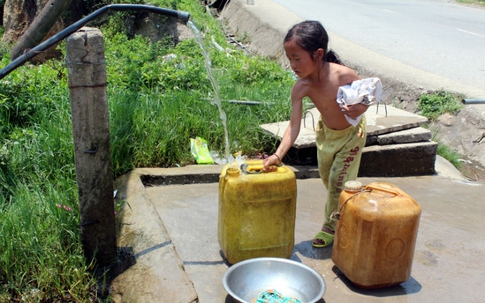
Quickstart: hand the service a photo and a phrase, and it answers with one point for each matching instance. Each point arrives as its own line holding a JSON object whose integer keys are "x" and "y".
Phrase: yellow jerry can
{"x": 256, "y": 213}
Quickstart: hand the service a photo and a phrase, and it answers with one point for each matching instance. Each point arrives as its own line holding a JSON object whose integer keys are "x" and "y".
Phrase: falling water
{"x": 215, "y": 86}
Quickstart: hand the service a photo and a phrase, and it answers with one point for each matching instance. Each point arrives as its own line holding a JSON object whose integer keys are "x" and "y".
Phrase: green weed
{"x": 477, "y": 2}
{"x": 438, "y": 103}
{"x": 449, "y": 154}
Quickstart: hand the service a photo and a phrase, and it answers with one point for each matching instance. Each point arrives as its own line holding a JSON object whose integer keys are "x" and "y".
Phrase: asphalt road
{"x": 439, "y": 37}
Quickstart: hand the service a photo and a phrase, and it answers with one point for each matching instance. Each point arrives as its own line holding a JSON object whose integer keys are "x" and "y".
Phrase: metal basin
{"x": 247, "y": 279}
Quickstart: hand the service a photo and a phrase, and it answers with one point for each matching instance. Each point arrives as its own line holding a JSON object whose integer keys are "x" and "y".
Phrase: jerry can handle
{"x": 387, "y": 190}
{"x": 255, "y": 169}
{"x": 251, "y": 169}
{"x": 336, "y": 214}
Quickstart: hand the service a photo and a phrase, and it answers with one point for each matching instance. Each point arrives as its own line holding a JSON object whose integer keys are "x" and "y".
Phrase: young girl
{"x": 339, "y": 144}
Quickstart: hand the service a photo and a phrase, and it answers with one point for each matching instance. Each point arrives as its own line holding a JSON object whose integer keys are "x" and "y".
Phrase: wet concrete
{"x": 448, "y": 265}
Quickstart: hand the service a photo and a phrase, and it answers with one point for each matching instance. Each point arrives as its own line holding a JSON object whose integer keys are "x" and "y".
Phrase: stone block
{"x": 398, "y": 160}
{"x": 417, "y": 134}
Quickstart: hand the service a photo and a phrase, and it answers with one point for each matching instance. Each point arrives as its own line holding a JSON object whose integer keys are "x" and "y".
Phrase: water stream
{"x": 215, "y": 86}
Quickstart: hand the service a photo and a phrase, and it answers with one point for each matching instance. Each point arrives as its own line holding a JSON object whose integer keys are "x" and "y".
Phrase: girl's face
{"x": 301, "y": 61}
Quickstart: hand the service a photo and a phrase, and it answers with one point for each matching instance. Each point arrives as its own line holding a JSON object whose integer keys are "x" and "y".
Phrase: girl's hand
{"x": 268, "y": 162}
{"x": 353, "y": 111}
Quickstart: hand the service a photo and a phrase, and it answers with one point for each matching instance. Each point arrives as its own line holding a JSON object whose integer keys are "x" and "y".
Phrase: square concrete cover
{"x": 377, "y": 123}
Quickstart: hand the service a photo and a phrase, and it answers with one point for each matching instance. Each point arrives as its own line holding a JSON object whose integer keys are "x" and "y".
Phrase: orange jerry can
{"x": 375, "y": 234}
{"x": 256, "y": 212}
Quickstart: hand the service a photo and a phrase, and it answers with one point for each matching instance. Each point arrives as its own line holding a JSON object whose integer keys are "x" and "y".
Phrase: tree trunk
{"x": 17, "y": 15}
{"x": 39, "y": 27}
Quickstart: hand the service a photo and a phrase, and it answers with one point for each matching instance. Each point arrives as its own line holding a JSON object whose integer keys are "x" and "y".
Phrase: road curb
{"x": 158, "y": 269}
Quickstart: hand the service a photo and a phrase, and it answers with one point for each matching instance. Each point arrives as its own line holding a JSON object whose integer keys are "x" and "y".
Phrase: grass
{"x": 158, "y": 92}
{"x": 40, "y": 254}
{"x": 476, "y": 2}
{"x": 449, "y": 154}
{"x": 159, "y": 97}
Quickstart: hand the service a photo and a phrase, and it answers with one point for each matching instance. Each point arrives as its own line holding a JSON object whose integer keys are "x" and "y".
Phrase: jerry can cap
{"x": 353, "y": 186}
{"x": 233, "y": 171}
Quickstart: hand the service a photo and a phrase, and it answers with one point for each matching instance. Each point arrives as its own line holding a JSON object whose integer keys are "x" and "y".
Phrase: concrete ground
{"x": 172, "y": 231}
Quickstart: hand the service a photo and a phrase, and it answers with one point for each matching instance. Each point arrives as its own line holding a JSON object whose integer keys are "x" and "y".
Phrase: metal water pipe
{"x": 180, "y": 15}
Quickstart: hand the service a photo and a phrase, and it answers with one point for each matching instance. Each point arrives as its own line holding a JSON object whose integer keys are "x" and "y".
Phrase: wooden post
{"x": 89, "y": 109}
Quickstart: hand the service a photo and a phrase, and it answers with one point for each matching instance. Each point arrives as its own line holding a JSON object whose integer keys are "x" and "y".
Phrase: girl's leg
{"x": 345, "y": 168}
{"x": 339, "y": 154}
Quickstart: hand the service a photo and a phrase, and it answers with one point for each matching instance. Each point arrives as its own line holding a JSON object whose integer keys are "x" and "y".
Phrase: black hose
{"x": 180, "y": 15}
{"x": 473, "y": 101}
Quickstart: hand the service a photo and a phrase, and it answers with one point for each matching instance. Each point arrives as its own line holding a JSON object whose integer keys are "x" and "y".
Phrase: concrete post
{"x": 89, "y": 108}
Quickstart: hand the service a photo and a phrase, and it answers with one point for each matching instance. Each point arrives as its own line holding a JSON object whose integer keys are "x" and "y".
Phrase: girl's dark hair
{"x": 310, "y": 35}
